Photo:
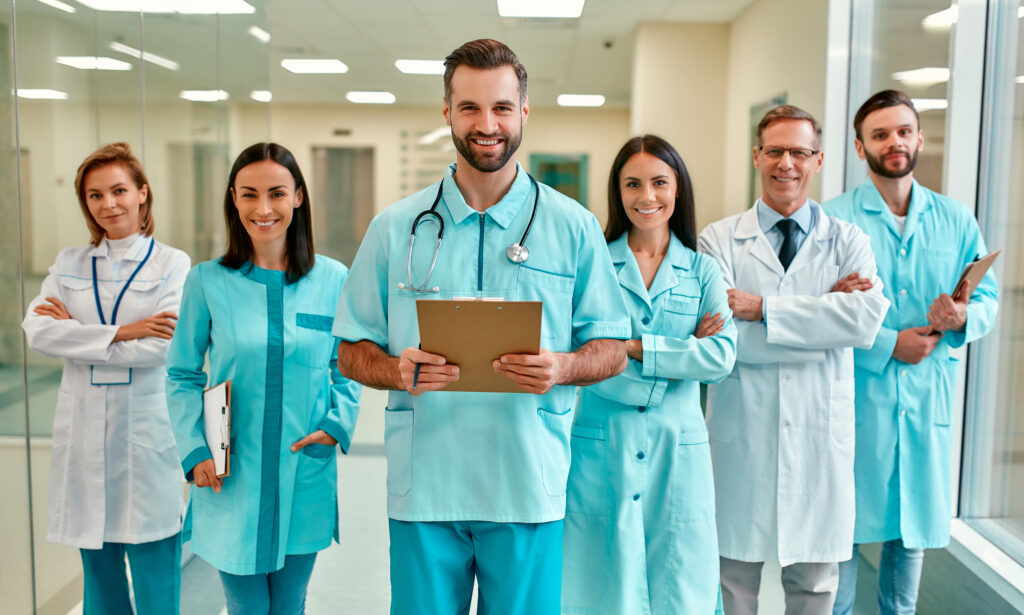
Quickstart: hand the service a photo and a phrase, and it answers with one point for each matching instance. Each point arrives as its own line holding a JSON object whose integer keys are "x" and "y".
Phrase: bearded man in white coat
{"x": 804, "y": 292}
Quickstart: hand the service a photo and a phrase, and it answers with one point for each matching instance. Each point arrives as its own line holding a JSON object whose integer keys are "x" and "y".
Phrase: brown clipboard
{"x": 473, "y": 333}
{"x": 972, "y": 275}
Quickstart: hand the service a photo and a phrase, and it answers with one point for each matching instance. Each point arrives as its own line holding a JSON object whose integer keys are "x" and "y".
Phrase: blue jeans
{"x": 156, "y": 578}
{"x": 518, "y": 567}
{"x": 282, "y": 592}
{"x": 899, "y": 577}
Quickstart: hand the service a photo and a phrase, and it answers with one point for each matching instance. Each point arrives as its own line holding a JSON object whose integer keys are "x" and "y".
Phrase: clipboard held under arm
{"x": 972, "y": 274}
{"x": 473, "y": 333}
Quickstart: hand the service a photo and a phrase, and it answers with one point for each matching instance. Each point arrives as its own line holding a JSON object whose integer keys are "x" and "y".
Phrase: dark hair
{"x": 483, "y": 53}
{"x": 120, "y": 154}
{"x": 881, "y": 100}
{"x": 788, "y": 112}
{"x": 299, "y": 240}
{"x": 683, "y": 221}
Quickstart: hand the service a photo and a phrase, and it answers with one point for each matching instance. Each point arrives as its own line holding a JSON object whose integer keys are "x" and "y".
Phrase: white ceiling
{"x": 589, "y": 55}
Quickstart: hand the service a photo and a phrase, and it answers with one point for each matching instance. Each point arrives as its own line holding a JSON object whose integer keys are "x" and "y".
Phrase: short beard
{"x": 489, "y": 165}
{"x": 878, "y": 167}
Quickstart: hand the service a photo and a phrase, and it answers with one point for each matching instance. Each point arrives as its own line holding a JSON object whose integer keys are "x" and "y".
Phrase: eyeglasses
{"x": 799, "y": 154}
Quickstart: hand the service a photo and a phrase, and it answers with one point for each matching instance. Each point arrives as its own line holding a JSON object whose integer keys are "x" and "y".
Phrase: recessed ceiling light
{"x": 42, "y": 94}
{"x": 372, "y": 98}
{"x": 1020, "y": 79}
{"x": 261, "y": 95}
{"x": 152, "y": 58}
{"x": 93, "y": 63}
{"x": 580, "y": 100}
{"x": 314, "y": 67}
{"x": 57, "y": 4}
{"x": 260, "y": 34}
{"x": 540, "y": 8}
{"x": 183, "y": 7}
{"x": 203, "y": 95}
{"x": 923, "y": 77}
{"x": 942, "y": 20}
{"x": 435, "y": 135}
{"x": 420, "y": 67}
{"x": 929, "y": 104}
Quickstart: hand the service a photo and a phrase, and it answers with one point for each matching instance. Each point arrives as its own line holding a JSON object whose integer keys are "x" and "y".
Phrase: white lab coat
{"x": 782, "y": 424}
{"x": 114, "y": 476}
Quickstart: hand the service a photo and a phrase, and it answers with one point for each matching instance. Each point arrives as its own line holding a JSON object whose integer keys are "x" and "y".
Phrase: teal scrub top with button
{"x": 903, "y": 411}
{"x": 640, "y": 531}
{"x": 500, "y": 457}
{"x": 273, "y": 341}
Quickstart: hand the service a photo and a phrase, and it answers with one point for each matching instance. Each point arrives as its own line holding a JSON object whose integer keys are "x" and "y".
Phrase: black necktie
{"x": 787, "y": 250}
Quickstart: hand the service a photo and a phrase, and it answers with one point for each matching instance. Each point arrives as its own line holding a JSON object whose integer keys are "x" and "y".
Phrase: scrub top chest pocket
{"x": 682, "y": 309}
{"x": 555, "y": 291}
{"x": 313, "y": 339}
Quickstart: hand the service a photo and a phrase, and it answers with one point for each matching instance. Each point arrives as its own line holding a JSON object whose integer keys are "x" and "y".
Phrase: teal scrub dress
{"x": 640, "y": 518}
{"x": 273, "y": 341}
{"x": 904, "y": 411}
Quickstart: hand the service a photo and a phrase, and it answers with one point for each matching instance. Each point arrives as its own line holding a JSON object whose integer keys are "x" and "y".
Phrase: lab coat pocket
{"x": 829, "y": 277}
{"x": 319, "y": 451}
{"x": 151, "y": 424}
{"x": 841, "y": 413}
{"x": 63, "y": 419}
{"x": 78, "y": 298}
{"x": 398, "y": 425}
{"x": 555, "y": 291}
{"x": 692, "y": 481}
{"x": 588, "y": 485}
{"x": 943, "y": 412}
{"x": 555, "y": 449}
{"x": 313, "y": 339}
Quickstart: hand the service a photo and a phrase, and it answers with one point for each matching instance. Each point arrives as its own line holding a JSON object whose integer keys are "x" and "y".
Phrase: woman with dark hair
{"x": 640, "y": 512}
{"x": 115, "y": 487}
{"x": 264, "y": 312}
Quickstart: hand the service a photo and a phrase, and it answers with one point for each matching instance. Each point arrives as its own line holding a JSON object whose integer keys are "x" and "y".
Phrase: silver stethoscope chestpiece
{"x": 517, "y": 253}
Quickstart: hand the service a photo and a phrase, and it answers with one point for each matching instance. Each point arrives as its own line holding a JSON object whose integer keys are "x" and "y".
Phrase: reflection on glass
{"x": 911, "y": 53}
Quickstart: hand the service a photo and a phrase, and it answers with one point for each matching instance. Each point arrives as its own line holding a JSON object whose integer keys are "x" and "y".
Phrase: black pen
{"x": 416, "y": 376}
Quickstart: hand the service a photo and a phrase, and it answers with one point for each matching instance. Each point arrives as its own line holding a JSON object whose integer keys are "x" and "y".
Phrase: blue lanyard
{"x": 117, "y": 304}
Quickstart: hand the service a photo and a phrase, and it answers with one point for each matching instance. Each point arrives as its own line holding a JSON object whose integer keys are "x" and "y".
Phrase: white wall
{"x": 774, "y": 46}
{"x": 679, "y": 86}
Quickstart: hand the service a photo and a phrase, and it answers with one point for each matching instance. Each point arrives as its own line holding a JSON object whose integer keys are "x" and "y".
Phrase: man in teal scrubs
{"x": 476, "y": 481}
{"x": 922, "y": 241}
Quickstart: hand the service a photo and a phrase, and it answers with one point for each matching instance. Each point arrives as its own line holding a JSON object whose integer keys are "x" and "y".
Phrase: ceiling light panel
{"x": 930, "y": 104}
{"x": 261, "y": 95}
{"x": 580, "y": 100}
{"x": 57, "y": 4}
{"x": 929, "y": 75}
{"x": 182, "y": 7}
{"x": 541, "y": 8}
{"x": 203, "y": 95}
{"x": 306, "y": 66}
{"x": 93, "y": 63}
{"x": 42, "y": 94}
{"x": 420, "y": 67}
{"x": 152, "y": 58}
{"x": 371, "y": 98}
{"x": 260, "y": 34}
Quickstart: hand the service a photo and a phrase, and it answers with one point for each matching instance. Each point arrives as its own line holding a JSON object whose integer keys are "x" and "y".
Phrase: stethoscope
{"x": 516, "y": 252}
{"x": 117, "y": 304}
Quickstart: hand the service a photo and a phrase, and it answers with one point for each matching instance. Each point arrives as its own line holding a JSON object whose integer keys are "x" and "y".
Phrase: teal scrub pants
{"x": 156, "y": 578}
{"x": 518, "y": 567}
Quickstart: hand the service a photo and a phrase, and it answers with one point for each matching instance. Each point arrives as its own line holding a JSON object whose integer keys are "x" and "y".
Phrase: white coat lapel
{"x": 817, "y": 243}
{"x": 749, "y": 230}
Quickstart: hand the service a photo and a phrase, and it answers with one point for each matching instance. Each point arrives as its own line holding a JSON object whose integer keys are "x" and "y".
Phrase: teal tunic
{"x": 903, "y": 411}
{"x": 273, "y": 341}
{"x": 640, "y": 518}
{"x": 458, "y": 456}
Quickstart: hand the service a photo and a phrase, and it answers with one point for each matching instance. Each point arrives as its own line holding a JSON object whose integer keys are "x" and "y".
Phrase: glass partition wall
{"x": 178, "y": 88}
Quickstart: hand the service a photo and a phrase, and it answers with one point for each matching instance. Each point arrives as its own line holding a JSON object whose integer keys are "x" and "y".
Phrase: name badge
{"x": 110, "y": 375}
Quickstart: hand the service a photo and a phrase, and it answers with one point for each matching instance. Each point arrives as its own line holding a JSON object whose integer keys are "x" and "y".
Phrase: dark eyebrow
{"x": 662, "y": 176}
{"x": 271, "y": 188}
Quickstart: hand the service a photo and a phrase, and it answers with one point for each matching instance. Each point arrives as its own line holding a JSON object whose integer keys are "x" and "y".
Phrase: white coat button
{"x": 903, "y": 413}
{"x": 785, "y": 378}
{"x": 903, "y": 291}
{"x": 903, "y": 373}
{"x": 903, "y": 252}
